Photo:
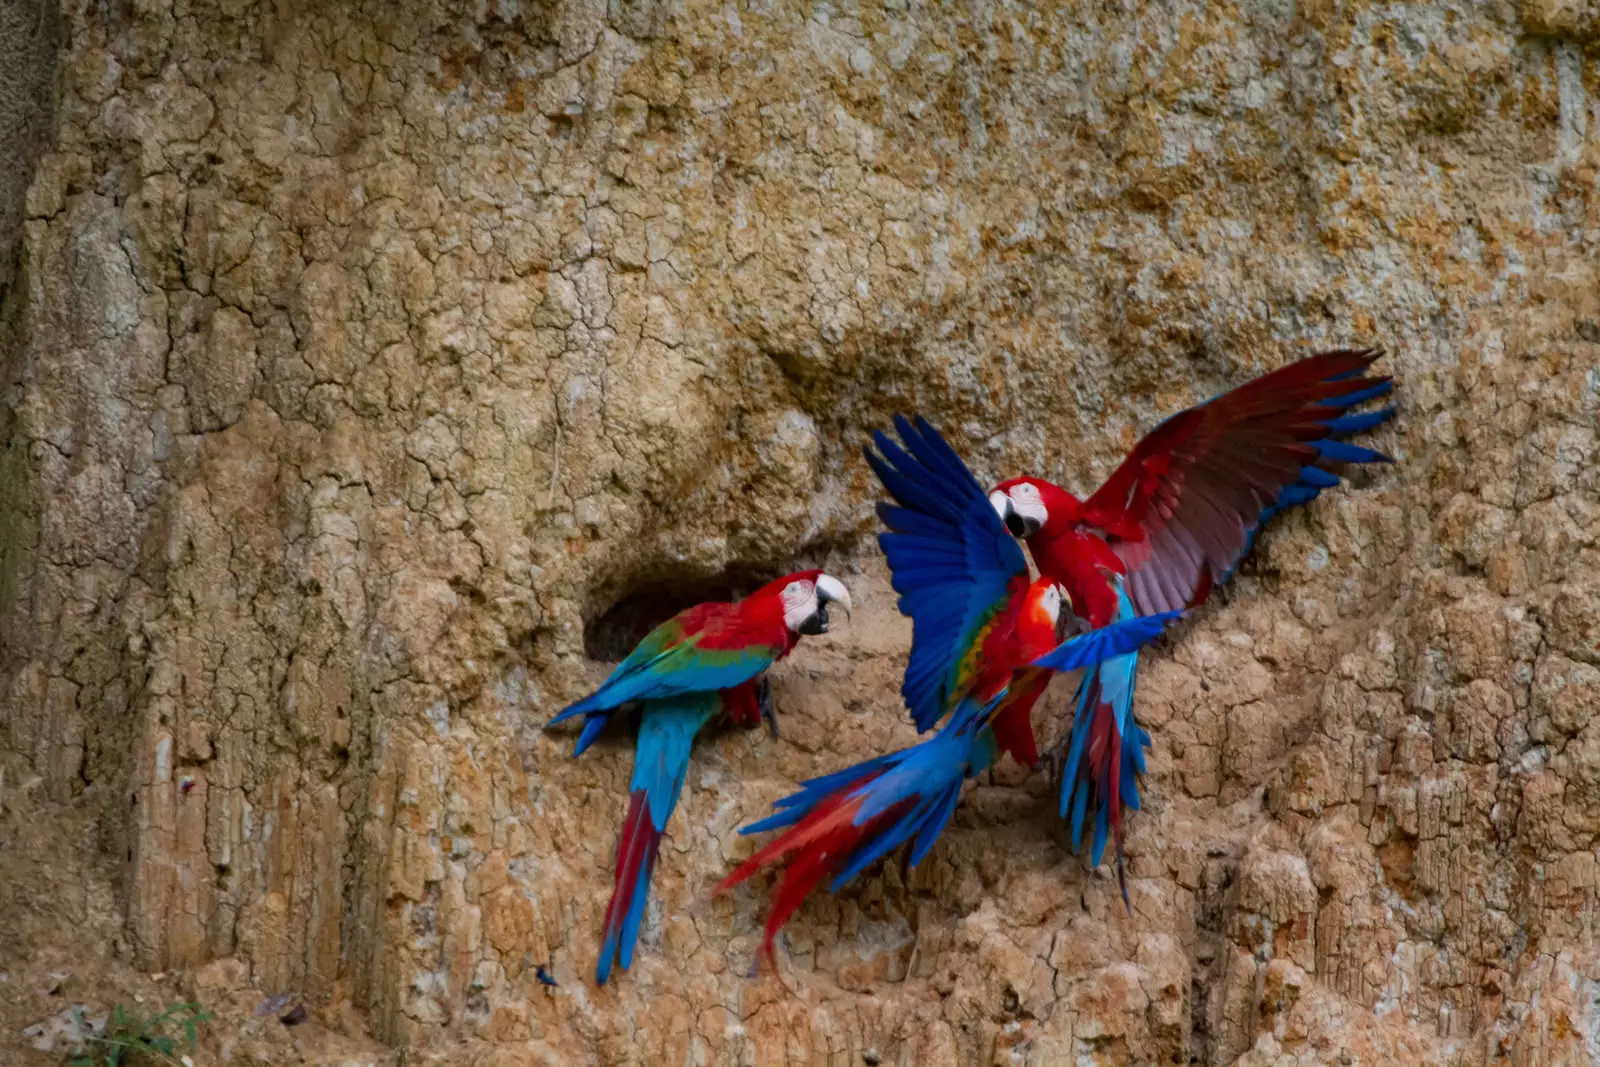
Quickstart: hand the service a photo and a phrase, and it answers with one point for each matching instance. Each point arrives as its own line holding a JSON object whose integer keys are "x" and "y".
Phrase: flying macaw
{"x": 705, "y": 659}
{"x": 1169, "y": 525}
{"x": 984, "y": 644}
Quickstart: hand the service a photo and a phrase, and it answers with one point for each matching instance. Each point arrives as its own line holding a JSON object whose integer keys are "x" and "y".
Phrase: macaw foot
{"x": 764, "y": 702}
{"x": 1072, "y": 625}
{"x": 1054, "y": 762}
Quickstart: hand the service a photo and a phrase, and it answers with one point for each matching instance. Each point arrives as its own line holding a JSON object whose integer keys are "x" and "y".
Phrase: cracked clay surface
{"x": 359, "y": 354}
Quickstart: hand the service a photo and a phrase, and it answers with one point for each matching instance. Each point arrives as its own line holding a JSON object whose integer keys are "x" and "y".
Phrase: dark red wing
{"x": 1184, "y": 507}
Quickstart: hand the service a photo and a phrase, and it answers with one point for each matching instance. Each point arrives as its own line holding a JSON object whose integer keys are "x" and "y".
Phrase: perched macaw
{"x": 984, "y": 643}
{"x": 706, "y": 659}
{"x": 1170, "y": 524}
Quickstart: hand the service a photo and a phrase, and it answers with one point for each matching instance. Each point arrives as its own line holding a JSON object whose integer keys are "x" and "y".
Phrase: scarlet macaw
{"x": 703, "y": 660}
{"x": 1170, "y": 524}
{"x": 984, "y": 642}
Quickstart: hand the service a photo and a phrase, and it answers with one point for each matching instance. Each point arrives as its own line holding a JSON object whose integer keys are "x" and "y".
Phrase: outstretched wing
{"x": 1105, "y": 642}
{"x": 954, "y": 565}
{"x": 1184, "y": 507}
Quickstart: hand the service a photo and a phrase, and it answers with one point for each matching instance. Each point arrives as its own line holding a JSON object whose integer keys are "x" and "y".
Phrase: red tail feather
{"x": 808, "y": 829}
{"x": 1013, "y": 732}
{"x": 1103, "y": 763}
{"x": 807, "y": 870}
{"x": 636, "y": 851}
{"x": 820, "y": 841}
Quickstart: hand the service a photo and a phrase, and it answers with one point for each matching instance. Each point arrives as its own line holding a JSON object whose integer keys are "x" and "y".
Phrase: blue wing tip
{"x": 566, "y": 713}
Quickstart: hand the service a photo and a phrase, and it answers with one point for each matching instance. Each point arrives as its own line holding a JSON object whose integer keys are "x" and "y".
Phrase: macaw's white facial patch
{"x": 799, "y": 603}
{"x": 1029, "y": 505}
{"x": 1052, "y": 603}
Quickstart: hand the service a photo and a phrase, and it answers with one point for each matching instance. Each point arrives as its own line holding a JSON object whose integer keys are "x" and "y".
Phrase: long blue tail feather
{"x": 666, "y": 735}
{"x": 929, "y": 775}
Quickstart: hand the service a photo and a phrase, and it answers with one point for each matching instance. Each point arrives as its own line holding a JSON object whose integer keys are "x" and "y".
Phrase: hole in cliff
{"x": 1397, "y": 856}
{"x": 611, "y": 636}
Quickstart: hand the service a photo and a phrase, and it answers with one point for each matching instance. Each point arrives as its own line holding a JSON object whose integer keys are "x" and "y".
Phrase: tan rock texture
{"x": 374, "y": 369}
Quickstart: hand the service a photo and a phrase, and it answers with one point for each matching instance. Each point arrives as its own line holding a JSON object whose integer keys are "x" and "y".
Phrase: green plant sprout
{"x": 132, "y": 1039}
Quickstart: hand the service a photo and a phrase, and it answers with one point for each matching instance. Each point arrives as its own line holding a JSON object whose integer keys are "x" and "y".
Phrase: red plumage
{"x": 823, "y": 838}
{"x": 637, "y": 849}
{"x": 1178, "y": 511}
{"x": 1173, "y": 520}
{"x": 755, "y": 620}
{"x": 1012, "y": 722}
{"x": 821, "y": 843}
{"x": 742, "y": 704}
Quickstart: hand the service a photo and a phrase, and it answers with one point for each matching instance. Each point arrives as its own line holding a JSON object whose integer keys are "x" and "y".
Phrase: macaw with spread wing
{"x": 706, "y": 659}
{"x": 985, "y": 641}
{"x": 1169, "y": 525}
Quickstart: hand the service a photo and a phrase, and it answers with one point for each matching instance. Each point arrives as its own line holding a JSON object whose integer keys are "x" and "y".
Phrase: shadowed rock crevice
{"x": 30, "y": 37}
{"x": 611, "y": 635}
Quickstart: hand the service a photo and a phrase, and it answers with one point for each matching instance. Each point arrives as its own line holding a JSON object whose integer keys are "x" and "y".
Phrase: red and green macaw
{"x": 706, "y": 659}
{"x": 1170, "y": 524}
{"x": 984, "y": 643}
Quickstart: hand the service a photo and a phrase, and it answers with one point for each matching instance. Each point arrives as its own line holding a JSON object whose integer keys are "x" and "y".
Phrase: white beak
{"x": 832, "y": 589}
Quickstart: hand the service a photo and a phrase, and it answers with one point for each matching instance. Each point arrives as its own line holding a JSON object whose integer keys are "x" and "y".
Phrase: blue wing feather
{"x": 1106, "y": 642}
{"x": 1360, "y": 396}
{"x": 952, "y": 561}
{"x": 1340, "y": 452}
{"x": 1350, "y": 424}
{"x": 664, "y": 674}
{"x": 935, "y": 453}
{"x": 1312, "y": 480}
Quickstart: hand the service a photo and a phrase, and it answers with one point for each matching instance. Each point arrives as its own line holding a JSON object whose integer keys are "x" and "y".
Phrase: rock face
{"x": 373, "y": 371}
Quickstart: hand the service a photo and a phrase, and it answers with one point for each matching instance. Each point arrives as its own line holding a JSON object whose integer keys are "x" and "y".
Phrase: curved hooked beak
{"x": 1017, "y": 524}
{"x": 832, "y": 590}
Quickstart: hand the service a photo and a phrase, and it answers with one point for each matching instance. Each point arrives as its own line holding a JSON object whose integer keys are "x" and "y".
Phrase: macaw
{"x": 984, "y": 645}
{"x": 706, "y": 659}
{"x": 1169, "y": 525}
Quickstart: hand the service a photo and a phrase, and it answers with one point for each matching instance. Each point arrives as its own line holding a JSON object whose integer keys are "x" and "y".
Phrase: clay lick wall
{"x": 374, "y": 369}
